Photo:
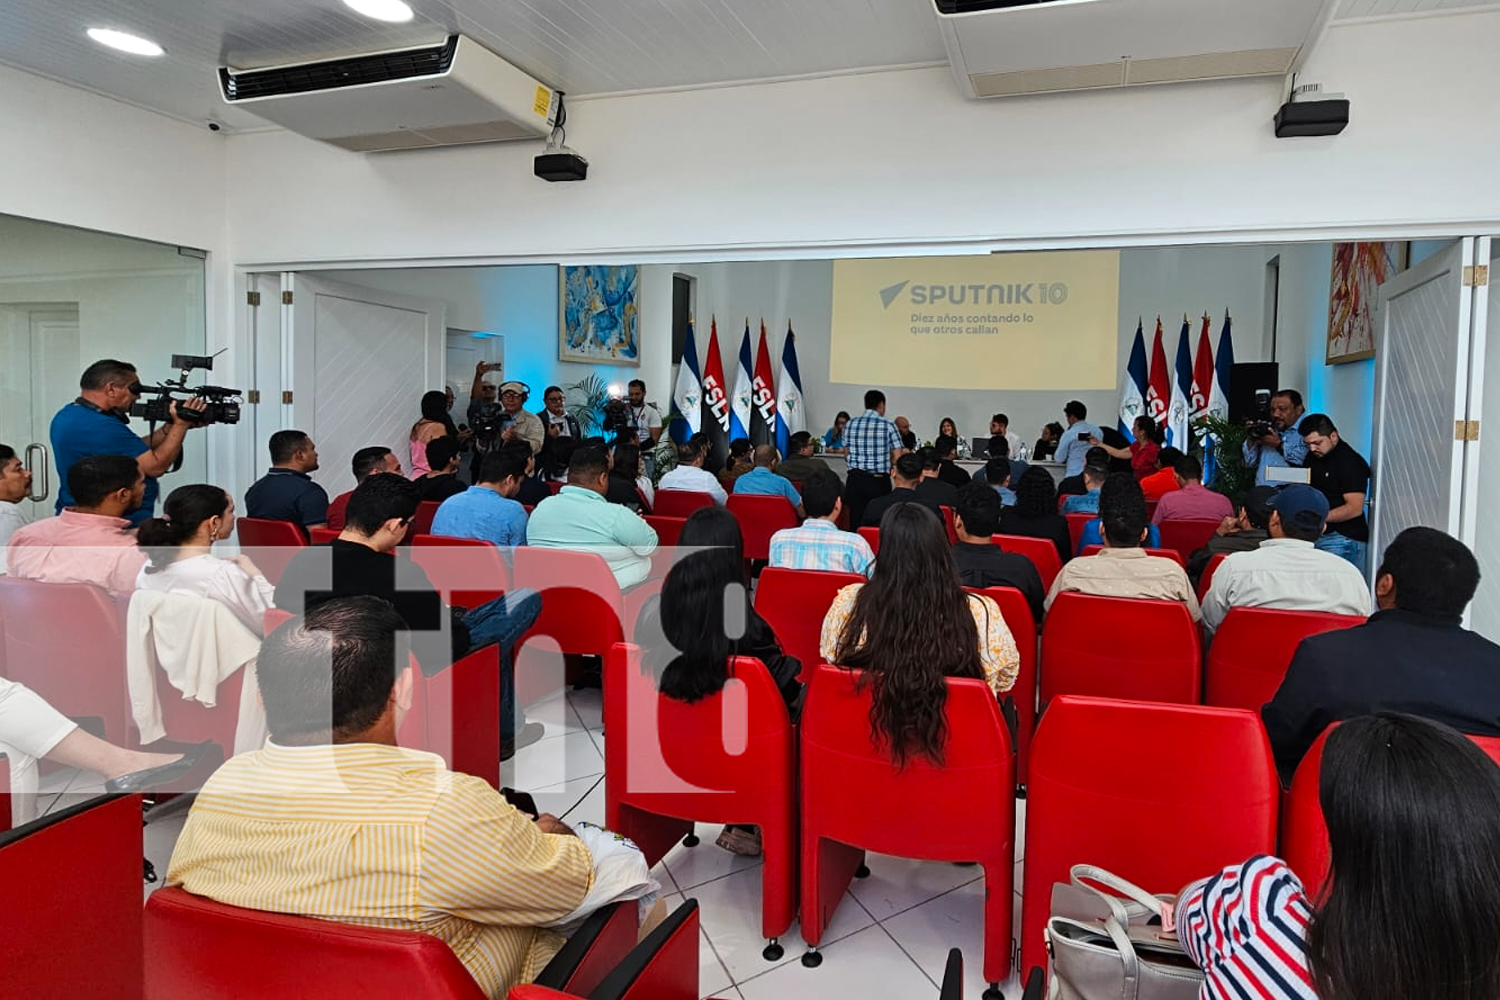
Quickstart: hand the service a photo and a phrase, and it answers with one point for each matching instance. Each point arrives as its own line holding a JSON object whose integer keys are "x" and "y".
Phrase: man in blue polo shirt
{"x": 487, "y": 510}
{"x": 98, "y": 423}
{"x": 1075, "y": 440}
{"x": 762, "y": 480}
{"x": 286, "y": 492}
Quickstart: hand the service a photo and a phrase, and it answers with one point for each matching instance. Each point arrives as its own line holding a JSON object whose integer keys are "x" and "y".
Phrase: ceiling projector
{"x": 559, "y": 163}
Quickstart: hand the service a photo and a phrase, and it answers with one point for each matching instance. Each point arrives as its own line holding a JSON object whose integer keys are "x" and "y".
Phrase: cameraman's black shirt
{"x": 1342, "y": 471}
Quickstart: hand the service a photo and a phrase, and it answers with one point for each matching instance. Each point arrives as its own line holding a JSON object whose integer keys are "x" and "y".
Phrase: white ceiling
{"x": 579, "y": 46}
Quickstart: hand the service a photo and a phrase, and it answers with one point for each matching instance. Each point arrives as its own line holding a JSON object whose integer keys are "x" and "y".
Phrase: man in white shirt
{"x": 644, "y": 416}
{"x": 1000, "y": 424}
{"x": 690, "y": 474}
{"x": 15, "y": 486}
{"x": 1286, "y": 571}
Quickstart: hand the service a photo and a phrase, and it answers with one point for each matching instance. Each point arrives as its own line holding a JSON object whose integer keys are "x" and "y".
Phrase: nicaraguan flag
{"x": 740, "y": 399}
{"x": 790, "y": 417}
{"x": 1218, "y": 403}
{"x": 687, "y": 398}
{"x": 1133, "y": 396}
{"x": 1179, "y": 433}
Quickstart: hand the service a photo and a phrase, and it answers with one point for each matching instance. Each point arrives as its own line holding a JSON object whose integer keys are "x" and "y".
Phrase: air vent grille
{"x": 378, "y": 68}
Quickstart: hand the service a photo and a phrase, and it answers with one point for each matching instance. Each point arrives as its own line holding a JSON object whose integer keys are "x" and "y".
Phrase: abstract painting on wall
{"x": 1359, "y": 269}
{"x": 600, "y": 314}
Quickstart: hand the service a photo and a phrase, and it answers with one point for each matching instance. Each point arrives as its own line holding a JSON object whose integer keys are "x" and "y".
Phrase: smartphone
{"x": 1084, "y": 435}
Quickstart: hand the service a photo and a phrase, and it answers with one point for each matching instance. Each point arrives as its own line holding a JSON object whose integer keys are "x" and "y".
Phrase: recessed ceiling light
{"x": 125, "y": 42}
{"x": 381, "y": 10}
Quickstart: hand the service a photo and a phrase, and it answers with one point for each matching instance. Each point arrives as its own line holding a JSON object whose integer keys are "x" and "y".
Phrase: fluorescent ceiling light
{"x": 125, "y": 42}
{"x": 381, "y": 10}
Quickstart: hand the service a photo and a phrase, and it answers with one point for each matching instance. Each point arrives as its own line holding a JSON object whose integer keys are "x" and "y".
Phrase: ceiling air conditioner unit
{"x": 1005, "y": 48}
{"x": 448, "y": 94}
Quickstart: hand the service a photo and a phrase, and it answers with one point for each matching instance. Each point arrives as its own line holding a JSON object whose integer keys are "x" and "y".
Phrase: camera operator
{"x": 645, "y": 418}
{"x": 98, "y": 423}
{"x": 1274, "y": 442}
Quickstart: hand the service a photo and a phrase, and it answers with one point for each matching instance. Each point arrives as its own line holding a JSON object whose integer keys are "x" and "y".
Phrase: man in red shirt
{"x": 1192, "y": 500}
{"x": 1164, "y": 479}
{"x": 367, "y": 462}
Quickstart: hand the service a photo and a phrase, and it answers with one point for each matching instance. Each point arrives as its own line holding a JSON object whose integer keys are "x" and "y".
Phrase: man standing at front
{"x": 516, "y": 422}
{"x": 644, "y": 417}
{"x": 98, "y": 423}
{"x": 873, "y": 443}
{"x": 1282, "y": 444}
{"x": 1075, "y": 440}
{"x": 1343, "y": 476}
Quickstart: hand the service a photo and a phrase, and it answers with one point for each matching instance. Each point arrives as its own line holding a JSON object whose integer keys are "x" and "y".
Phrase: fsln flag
{"x": 1158, "y": 381}
{"x": 1218, "y": 403}
{"x": 740, "y": 399}
{"x": 790, "y": 417}
{"x": 715, "y": 396}
{"x": 763, "y": 420}
{"x": 1203, "y": 375}
{"x": 1133, "y": 396}
{"x": 1179, "y": 433}
{"x": 687, "y": 398}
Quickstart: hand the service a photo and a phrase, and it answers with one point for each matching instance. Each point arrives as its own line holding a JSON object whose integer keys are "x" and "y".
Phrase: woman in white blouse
{"x": 179, "y": 558}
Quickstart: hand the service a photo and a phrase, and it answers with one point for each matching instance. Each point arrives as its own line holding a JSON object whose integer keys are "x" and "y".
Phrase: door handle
{"x": 45, "y": 467}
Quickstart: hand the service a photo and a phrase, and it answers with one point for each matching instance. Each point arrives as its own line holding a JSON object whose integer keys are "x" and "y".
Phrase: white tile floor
{"x": 888, "y": 940}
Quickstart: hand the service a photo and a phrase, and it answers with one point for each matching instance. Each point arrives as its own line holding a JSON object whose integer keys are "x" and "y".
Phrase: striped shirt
{"x": 382, "y": 836}
{"x": 1246, "y": 928}
{"x": 870, "y": 439}
{"x": 820, "y": 545}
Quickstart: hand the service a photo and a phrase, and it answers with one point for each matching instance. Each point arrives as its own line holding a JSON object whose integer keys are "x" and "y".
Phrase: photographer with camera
{"x": 98, "y": 423}
{"x": 1273, "y": 440}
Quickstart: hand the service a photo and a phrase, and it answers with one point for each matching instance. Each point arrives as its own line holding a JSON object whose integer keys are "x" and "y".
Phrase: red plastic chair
{"x": 1210, "y": 801}
{"x": 1017, "y": 614}
{"x": 662, "y": 967}
{"x": 1207, "y": 579}
{"x": 554, "y": 486}
{"x": 1076, "y": 524}
{"x": 188, "y": 721}
{"x": 1186, "y": 535}
{"x": 760, "y": 518}
{"x": 1172, "y": 554}
{"x": 667, "y": 529}
{"x": 950, "y": 524}
{"x": 468, "y": 571}
{"x": 1041, "y": 552}
{"x": 322, "y": 536}
{"x": 794, "y": 603}
{"x": 66, "y": 641}
{"x": 1252, "y": 649}
{"x": 4, "y": 793}
{"x": 871, "y": 535}
{"x": 850, "y": 789}
{"x": 269, "y": 544}
{"x": 640, "y": 496}
{"x": 73, "y": 928}
{"x": 421, "y": 524}
{"x": 728, "y": 758}
{"x": 1119, "y": 647}
{"x": 680, "y": 503}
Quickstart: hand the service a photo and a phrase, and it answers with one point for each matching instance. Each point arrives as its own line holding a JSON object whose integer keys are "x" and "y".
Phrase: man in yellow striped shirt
{"x": 332, "y": 819}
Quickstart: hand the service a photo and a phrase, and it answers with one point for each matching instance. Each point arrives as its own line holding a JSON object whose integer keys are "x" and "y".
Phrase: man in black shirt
{"x": 286, "y": 492}
{"x": 946, "y": 449}
{"x": 981, "y": 563}
{"x": 1413, "y": 655}
{"x": 442, "y": 482}
{"x": 364, "y": 561}
{"x": 932, "y": 489}
{"x": 906, "y": 475}
{"x": 1343, "y": 477}
{"x": 533, "y": 491}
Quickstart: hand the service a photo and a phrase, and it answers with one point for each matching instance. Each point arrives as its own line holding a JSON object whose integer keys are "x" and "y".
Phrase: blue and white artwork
{"x": 601, "y": 314}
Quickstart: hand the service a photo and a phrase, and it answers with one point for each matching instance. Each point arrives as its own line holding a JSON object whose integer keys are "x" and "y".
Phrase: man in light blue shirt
{"x": 579, "y": 518}
{"x": 1283, "y": 446}
{"x": 1087, "y": 503}
{"x": 1075, "y": 440}
{"x": 487, "y": 510}
{"x": 762, "y": 480}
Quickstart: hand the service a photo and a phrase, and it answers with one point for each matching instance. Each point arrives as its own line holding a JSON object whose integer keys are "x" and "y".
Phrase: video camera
{"x": 616, "y": 415}
{"x": 223, "y": 404}
{"x": 490, "y": 419}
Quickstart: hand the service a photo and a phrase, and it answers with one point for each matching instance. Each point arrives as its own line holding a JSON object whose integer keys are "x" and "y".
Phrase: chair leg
{"x": 812, "y": 958}
{"x": 773, "y": 951}
{"x": 691, "y": 840}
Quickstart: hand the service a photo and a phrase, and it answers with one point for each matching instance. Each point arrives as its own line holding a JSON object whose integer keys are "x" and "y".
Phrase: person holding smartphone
{"x": 1074, "y": 445}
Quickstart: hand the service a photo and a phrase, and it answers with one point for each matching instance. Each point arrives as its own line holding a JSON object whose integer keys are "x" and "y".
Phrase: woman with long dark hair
{"x": 911, "y": 627}
{"x": 687, "y": 638}
{"x": 1035, "y": 512}
{"x": 180, "y": 558}
{"x": 948, "y": 427}
{"x": 1142, "y": 452}
{"x": 833, "y": 440}
{"x": 627, "y": 485}
{"x": 435, "y": 423}
{"x": 1412, "y": 903}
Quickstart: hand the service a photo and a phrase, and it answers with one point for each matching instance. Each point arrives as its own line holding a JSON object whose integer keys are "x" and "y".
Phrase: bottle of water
{"x": 1024, "y": 454}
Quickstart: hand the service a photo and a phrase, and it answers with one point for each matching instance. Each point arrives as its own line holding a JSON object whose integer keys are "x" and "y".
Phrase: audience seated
{"x": 690, "y": 474}
{"x": 1074, "y": 485}
{"x": 627, "y": 484}
{"x": 932, "y": 490}
{"x": 1094, "y": 535}
{"x": 945, "y": 449}
{"x": 997, "y": 476}
{"x": 532, "y": 491}
{"x": 1287, "y": 571}
{"x": 1124, "y": 569}
{"x": 364, "y": 562}
{"x": 1192, "y": 500}
{"x": 762, "y": 480}
{"x": 913, "y": 625}
{"x": 1242, "y": 533}
{"x": 819, "y": 544}
{"x": 441, "y": 480}
{"x": 1088, "y": 501}
{"x": 15, "y": 486}
{"x": 1413, "y": 816}
{"x": 741, "y": 460}
{"x": 286, "y": 492}
{"x": 687, "y": 640}
{"x": 332, "y": 819}
{"x": 1412, "y": 655}
{"x": 91, "y": 541}
{"x": 580, "y": 518}
{"x": 1164, "y": 479}
{"x": 367, "y": 462}
{"x": 980, "y": 562}
{"x": 800, "y": 463}
{"x": 906, "y": 474}
{"x": 1035, "y": 513}
{"x": 179, "y": 547}
{"x": 488, "y": 510}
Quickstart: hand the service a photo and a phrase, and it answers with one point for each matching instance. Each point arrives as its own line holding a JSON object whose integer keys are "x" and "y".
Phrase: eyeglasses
{"x": 554, "y": 399}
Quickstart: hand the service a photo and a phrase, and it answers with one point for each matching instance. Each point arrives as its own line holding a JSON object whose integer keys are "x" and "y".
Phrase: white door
{"x": 1423, "y": 341}
{"x": 360, "y": 360}
{"x": 41, "y": 351}
{"x": 465, "y": 349}
{"x": 1484, "y": 453}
